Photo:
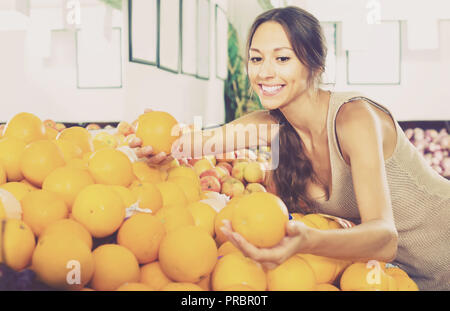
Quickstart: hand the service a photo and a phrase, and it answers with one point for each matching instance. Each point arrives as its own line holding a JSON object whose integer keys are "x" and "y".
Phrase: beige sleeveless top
{"x": 420, "y": 202}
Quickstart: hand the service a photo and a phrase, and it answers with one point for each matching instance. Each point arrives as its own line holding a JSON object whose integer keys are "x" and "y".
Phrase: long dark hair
{"x": 294, "y": 170}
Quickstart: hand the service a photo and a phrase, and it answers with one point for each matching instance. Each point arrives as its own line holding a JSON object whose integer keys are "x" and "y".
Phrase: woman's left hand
{"x": 294, "y": 242}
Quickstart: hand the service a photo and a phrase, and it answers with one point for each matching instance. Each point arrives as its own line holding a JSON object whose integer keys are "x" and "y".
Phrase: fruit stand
{"x": 80, "y": 211}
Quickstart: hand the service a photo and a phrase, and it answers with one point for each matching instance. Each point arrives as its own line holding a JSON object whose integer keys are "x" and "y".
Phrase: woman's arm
{"x": 361, "y": 140}
{"x": 250, "y": 130}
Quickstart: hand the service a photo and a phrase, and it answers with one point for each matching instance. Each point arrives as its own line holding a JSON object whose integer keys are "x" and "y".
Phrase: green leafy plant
{"x": 239, "y": 99}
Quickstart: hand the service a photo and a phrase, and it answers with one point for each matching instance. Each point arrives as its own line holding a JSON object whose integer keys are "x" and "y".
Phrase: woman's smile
{"x": 271, "y": 90}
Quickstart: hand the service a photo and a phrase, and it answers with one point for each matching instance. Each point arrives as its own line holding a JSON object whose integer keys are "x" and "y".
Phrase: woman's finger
{"x": 167, "y": 160}
{"x": 267, "y": 265}
{"x": 157, "y": 159}
{"x": 135, "y": 142}
{"x": 294, "y": 227}
{"x": 143, "y": 152}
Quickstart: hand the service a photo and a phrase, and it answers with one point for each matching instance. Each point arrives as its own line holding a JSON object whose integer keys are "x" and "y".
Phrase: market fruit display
{"x": 80, "y": 211}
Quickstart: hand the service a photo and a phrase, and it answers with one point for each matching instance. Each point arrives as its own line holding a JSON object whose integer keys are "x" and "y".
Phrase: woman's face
{"x": 275, "y": 72}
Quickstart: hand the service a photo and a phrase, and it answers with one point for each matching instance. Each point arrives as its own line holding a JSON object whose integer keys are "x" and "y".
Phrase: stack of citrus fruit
{"x": 84, "y": 215}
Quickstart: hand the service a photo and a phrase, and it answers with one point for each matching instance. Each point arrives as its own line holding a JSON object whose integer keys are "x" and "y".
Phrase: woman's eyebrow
{"x": 276, "y": 49}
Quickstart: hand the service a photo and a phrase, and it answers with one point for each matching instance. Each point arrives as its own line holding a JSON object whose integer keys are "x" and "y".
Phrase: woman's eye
{"x": 255, "y": 59}
{"x": 283, "y": 59}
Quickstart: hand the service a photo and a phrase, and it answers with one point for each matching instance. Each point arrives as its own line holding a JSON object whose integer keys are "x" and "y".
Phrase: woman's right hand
{"x": 146, "y": 153}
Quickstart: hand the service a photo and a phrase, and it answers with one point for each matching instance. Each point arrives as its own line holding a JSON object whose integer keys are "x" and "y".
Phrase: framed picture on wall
{"x": 169, "y": 35}
{"x": 329, "y": 30}
{"x": 203, "y": 39}
{"x": 143, "y": 22}
{"x": 380, "y": 63}
{"x": 189, "y": 37}
{"x": 98, "y": 59}
{"x": 221, "y": 35}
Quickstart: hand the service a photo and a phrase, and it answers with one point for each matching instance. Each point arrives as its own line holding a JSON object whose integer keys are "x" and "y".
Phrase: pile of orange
{"x": 62, "y": 196}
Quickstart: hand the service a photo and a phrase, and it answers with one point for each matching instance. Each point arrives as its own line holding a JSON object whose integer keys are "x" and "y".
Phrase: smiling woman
{"x": 348, "y": 160}
{"x": 340, "y": 154}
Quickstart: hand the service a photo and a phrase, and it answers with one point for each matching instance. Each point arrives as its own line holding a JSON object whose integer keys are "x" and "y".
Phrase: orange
{"x": 405, "y": 284}
{"x": 41, "y": 208}
{"x": 17, "y": 189}
{"x": 134, "y": 286}
{"x": 115, "y": 265}
{"x": 111, "y": 167}
{"x": 145, "y": 173}
{"x": 190, "y": 188}
{"x": 319, "y": 222}
{"x": 395, "y": 272}
{"x": 153, "y": 276}
{"x": 333, "y": 225}
{"x": 235, "y": 269}
{"x": 292, "y": 275}
{"x": 227, "y": 248}
{"x": 100, "y": 209}
{"x": 68, "y": 227}
{"x": 104, "y": 140}
{"x": 11, "y": 150}
{"x": 79, "y": 136}
{"x": 17, "y": 244}
{"x": 10, "y": 207}
{"x": 185, "y": 172}
{"x": 402, "y": 280}
{"x": 187, "y": 254}
{"x": 39, "y": 159}
{"x": 174, "y": 217}
{"x": 297, "y": 216}
{"x": 182, "y": 287}
{"x": 127, "y": 196}
{"x": 362, "y": 276}
{"x": 224, "y": 214}
{"x": 142, "y": 234}
{"x": 148, "y": 196}
{"x": 324, "y": 268}
{"x": 307, "y": 222}
{"x": 326, "y": 288}
{"x": 69, "y": 149}
{"x": 157, "y": 129}
{"x": 26, "y": 127}
{"x": 67, "y": 182}
{"x": 172, "y": 193}
{"x": 63, "y": 262}
{"x": 260, "y": 218}
{"x": 204, "y": 216}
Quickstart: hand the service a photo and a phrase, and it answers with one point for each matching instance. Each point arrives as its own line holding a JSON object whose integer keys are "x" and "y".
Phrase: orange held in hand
{"x": 155, "y": 130}
{"x": 260, "y": 218}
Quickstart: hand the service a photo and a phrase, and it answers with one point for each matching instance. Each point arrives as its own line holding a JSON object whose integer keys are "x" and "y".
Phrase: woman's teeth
{"x": 271, "y": 89}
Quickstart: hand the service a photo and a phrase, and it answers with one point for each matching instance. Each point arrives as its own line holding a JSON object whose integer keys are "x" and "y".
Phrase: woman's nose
{"x": 266, "y": 70}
